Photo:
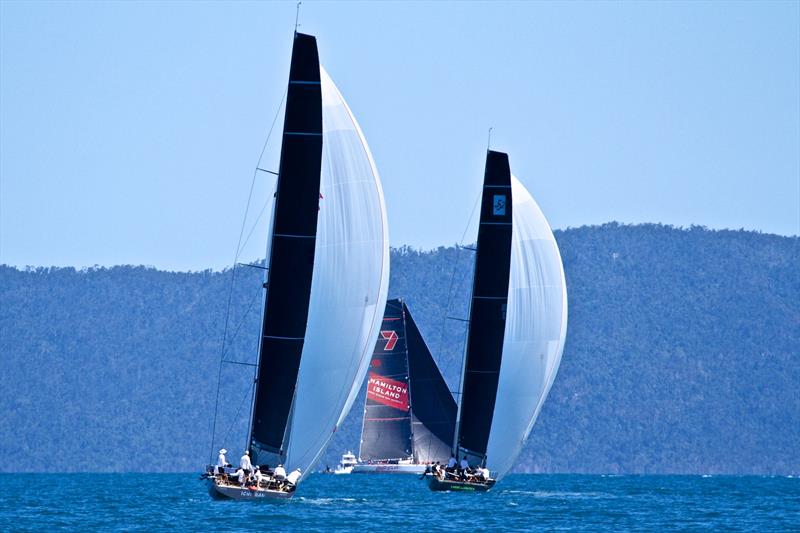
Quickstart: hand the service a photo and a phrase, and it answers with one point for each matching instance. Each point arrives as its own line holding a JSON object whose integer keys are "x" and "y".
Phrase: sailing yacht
{"x": 326, "y": 282}
{"x": 409, "y": 412}
{"x": 516, "y": 330}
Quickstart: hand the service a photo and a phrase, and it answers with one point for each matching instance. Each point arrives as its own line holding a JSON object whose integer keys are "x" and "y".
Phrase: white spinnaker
{"x": 349, "y": 286}
{"x": 536, "y": 325}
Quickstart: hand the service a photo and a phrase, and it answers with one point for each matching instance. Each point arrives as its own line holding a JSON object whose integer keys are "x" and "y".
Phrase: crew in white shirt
{"x": 280, "y": 473}
{"x": 221, "y": 461}
{"x": 244, "y": 463}
{"x": 241, "y": 476}
{"x": 293, "y": 477}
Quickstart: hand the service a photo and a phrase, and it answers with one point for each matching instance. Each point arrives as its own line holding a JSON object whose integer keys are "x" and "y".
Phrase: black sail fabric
{"x": 432, "y": 405}
{"x": 291, "y": 262}
{"x": 386, "y": 434}
{"x": 487, "y": 318}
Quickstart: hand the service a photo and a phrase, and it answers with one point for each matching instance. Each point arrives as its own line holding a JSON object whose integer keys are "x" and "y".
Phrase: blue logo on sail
{"x": 499, "y": 204}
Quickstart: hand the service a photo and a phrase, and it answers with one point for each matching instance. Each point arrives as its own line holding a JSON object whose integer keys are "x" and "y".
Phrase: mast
{"x": 291, "y": 260}
{"x": 411, "y": 447}
{"x": 487, "y": 316}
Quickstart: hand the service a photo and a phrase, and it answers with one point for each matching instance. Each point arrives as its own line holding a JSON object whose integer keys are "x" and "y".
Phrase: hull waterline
{"x": 230, "y": 492}
{"x": 443, "y": 485}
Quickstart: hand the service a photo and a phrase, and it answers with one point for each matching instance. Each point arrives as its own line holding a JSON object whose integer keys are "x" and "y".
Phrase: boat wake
{"x": 562, "y": 495}
{"x": 330, "y": 501}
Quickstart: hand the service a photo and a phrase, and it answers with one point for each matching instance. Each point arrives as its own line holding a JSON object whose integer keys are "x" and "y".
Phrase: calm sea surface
{"x": 148, "y": 502}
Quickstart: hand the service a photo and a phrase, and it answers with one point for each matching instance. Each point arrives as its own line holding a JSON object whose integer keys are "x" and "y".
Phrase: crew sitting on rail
{"x": 293, "y": 476}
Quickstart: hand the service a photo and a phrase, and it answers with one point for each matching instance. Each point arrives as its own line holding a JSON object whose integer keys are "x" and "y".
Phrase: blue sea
{"x": 391, "y": 504}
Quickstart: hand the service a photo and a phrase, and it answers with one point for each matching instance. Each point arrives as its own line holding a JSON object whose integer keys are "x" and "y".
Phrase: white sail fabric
{"x": 536, "y": 325}
{"x": 349, "y": 286}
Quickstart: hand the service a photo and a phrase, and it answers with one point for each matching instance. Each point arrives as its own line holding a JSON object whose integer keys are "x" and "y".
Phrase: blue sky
{"x": 129, "y": 131}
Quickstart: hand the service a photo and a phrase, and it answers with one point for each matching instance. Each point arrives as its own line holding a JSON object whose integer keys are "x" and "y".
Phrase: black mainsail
{"x": 386, "y": 433}
{"x": 409, "y": 411}
{"x": 291, "y": 261}
{"x": 487, "y": 317}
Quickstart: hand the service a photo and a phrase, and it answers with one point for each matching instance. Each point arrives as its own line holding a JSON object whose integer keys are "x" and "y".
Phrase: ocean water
{"x": 392, "y": 504}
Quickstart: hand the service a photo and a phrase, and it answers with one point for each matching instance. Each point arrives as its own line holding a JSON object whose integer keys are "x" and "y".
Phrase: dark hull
{"x": 437, "y": 484}
{"x": 220, "y": 491}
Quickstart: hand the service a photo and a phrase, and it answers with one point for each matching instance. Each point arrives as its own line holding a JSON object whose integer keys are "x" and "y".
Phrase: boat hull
{"x": 446, "y": 485}
{"x": 388, "y": 469}
{"x": 230, "y": 492}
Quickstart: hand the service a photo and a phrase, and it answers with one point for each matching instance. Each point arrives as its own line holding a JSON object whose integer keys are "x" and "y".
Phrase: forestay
{"x": 349, "y": 287}
{"x": 536, "y": 326}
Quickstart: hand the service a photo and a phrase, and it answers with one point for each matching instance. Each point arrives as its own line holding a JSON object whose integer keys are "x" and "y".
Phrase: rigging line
{"x": 453, "y": 275}
{"x": 252, "y": 408}
{"x": 233, "y": 272}
{"x": 255, "y": 224}
{"x": 269, "y": 134}
{"x": 242, "y": 321}
{"x": 235, "y": 418}
{"x": 239, "y": 363}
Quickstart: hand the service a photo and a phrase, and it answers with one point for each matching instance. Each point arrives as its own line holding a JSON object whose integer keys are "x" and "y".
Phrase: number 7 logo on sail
{"x": 391, "y": 339}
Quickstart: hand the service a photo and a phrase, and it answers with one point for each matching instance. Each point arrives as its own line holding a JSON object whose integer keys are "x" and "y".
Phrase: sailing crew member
{"x": 452, "y": 462}
{"x": 257, "y": 477}
{"x": 280, "y": 473}
{"x": 244, "y": 463}
{"x": 484, "y": 473}
{"x": 293, "y": 477}
{"x": 241, "y": 476}
{"x": 221, "y": 461}
{"x": 464, "y": 464}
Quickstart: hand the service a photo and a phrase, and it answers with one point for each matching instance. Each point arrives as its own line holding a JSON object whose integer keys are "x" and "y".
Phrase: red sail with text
{"x": 387, "y": 391}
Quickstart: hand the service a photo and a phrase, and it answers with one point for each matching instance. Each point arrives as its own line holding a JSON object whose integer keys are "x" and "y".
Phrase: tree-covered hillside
{"x": 682, "y": 355}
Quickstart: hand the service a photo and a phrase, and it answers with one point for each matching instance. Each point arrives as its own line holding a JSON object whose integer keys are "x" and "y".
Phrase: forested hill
{"x": 682, "y": 356}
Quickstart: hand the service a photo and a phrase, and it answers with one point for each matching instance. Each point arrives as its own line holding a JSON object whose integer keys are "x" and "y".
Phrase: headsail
{"x": 536, "y": 326}
{"x": 433, "y": 409}
{"x": 350, "y": 284}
